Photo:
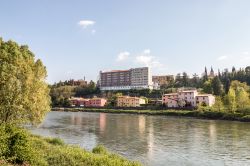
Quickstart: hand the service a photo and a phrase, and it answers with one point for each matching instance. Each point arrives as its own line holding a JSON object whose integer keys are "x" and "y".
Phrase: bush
{"x": 246, "y": 118}
{"x": 245, "y": 111}
{"x": 15, "y": 146}
{"x": 18, "y": 147}
{"x": 100, "y": 150}
{"x": 55, "y": 141}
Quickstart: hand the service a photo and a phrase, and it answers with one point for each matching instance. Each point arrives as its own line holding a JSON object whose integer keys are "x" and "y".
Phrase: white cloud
{"x": 147, "y": 59}
{"x": 147, "y": 51}
{"x": 245, "y": 53}
{"x": 221, "y": 58}
{"x": 122, "y": 56}
{"x": 86, "y": 23}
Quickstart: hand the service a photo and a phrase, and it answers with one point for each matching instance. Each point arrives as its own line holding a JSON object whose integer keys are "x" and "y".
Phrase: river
{"x": 154, "y": 140}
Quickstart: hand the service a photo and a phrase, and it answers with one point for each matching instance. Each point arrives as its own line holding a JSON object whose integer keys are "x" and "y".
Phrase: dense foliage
{"x": 17, "y": 146}
{"x": 24, "y": 95}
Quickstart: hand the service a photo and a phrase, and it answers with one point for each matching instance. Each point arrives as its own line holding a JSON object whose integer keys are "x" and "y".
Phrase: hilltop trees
{"x": 217, "y": 86}
{"x": 24, "y": 95}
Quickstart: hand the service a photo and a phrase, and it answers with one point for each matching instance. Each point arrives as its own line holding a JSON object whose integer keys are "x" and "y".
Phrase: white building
{"x": 206, "y": 99}
{"x": 187, "y": 98}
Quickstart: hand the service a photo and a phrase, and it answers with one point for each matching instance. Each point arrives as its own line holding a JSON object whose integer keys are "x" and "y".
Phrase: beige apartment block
{"x": 127, "y": 101}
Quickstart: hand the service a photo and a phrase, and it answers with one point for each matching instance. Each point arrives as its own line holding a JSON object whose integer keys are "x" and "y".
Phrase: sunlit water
{"x": 154, "y": 140}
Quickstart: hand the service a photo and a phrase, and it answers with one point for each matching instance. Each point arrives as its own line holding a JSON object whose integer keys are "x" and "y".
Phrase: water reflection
{"x": 154, "y": 140}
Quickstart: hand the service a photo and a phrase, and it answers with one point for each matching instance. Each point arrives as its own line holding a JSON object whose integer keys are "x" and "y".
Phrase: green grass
{"x": 27, "y": 149}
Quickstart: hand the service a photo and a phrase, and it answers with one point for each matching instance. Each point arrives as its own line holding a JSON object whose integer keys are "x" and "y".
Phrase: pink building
{"x": 170, "y": 100}
{"x": 187, "y": 98}
{"x": 94, "y": 102}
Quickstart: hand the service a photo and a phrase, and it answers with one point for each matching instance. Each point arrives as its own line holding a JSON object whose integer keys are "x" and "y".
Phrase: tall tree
{"x": 205, "y": 77}
{"x": 217, "y": 86}
{"x": 242, "y": 98}
{"x": 207, "y": 87}
{"x": 227, "y": 85}
{"x": 231, "y": 97}
{"x": 185, "y": 79}
{"x": 24, "y": 94}
{"x": 218, "y": 105}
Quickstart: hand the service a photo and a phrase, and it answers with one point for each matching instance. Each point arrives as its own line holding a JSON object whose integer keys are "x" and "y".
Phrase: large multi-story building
{"x": 127, "y": 101}
{"x": 187, "y": 98}
{"x": 163, "y": 80}
{"x": 135, "y": 78}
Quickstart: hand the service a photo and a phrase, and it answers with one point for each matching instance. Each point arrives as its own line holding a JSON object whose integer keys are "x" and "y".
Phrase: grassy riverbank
{"x": 19, "y": 147}
{"x": 204, "y": 114}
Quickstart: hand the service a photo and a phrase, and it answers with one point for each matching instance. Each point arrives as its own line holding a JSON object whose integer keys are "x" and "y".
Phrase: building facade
{"x": 187, "y": 98}
{"x": 206, "y": 99}
{"x": 135, "y": 78}
{"x": 94, "y": 102}
{"x": 127, "y": 101}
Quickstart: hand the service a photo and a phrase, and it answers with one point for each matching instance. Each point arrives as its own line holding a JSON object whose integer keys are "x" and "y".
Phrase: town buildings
{"x": 93, "y": 102}
{"x": 127, "y": 101}
{"x": 135, "y": 78}
{"x": 208, "y": 99}
{"x": 163, "y": 80}
{"x": 187, "y": 98}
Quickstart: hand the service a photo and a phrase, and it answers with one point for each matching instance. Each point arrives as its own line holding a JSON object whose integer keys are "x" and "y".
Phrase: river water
{"x": 154, "y": 140}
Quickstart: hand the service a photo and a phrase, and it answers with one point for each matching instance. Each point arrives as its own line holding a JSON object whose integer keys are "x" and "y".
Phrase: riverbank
{"x": 206, "y": 114}
{"x": 19, "y": 147}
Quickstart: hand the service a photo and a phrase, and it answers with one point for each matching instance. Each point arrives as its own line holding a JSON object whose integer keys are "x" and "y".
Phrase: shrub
{"x": 16, "y": 148}
{"x": 246, "y": 118}
{"x": 55, "y": 141}
{"x": 100, "y": 150}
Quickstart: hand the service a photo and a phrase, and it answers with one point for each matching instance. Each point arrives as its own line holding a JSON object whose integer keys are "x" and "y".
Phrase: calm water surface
{"x": 154, "y": 140}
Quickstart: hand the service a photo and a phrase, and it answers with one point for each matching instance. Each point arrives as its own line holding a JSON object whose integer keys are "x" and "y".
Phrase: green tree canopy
{"x": 24, "y": 95}
{"x": 231, "y": 97}
{"x": 217, "y": 86}
{"x": 207, "y": 87}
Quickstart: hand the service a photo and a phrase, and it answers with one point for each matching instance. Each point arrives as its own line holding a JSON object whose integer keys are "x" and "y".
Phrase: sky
{"x": 79, "y": 38}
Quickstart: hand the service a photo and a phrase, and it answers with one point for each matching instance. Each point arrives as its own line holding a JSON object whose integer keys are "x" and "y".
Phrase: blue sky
{"x": 79, "y": 38}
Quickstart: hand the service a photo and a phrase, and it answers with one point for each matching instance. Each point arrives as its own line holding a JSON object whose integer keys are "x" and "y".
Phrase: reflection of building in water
{"x": 212, "y": 132}
{"x": 75, "y": 119}
{"x": 142, "y": 124}
{"x": 123, "y": 132}
{"x": 150, "y": 141}
{"x": 102, "y": 122}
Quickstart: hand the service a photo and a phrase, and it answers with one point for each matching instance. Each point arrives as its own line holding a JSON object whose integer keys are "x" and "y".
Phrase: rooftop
{"x": 114, "y": 71}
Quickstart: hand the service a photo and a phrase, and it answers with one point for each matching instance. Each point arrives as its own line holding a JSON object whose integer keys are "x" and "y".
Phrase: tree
{"x": 112, "y": 101}
{"x": 237, "y": 84}
{"x": 207, "y": 87}
{"x": 242, "y": 98}
{"x": 217, "y": 86}
{"x": 231, "y": 97}
{"x": 24, "y": 95}
{"x": 205, "y": 77}
{"x": 218, "y": 105}
{"x": 185, "y": 79}
{"x": 227, "y": 85}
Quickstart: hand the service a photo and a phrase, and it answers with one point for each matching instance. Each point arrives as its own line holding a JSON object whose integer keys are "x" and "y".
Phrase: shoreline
{"x": 209, "y": 115}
